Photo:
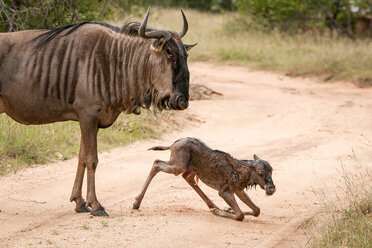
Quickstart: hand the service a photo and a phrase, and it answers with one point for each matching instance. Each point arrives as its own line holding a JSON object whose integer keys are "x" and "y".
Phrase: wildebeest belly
{"x": 27, "y": 109}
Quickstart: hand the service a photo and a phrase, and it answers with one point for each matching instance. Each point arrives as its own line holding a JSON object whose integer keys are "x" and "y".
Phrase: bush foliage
{"x": 295, "y": 15}
{"x": 45, "y": 14}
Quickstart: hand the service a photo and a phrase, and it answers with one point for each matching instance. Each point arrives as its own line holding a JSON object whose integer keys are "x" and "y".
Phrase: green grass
{"x": 348, "y": 220}
{"x": 224, "y": 38}
{"x": 22, "y": 145}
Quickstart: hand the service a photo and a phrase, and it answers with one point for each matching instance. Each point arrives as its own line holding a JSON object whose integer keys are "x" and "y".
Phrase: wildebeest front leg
{"x": 189, "y": 177}
{"x": 157, "y": 167}
{"x": 76, "y": 194}
{"x": 245, "y": 198}
{"x": 89, "y": 129}
{"x": 230, "y": 200}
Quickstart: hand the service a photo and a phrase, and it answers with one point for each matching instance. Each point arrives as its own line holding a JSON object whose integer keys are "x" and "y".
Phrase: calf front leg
{"x": 230, "y": 200}
{"x": 156, "y": 168}
{"x": 189, "y": 177}
{"x": 243, "y": 196}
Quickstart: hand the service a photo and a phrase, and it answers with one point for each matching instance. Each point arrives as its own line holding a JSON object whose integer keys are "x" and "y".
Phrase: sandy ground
{"x": 302, "y": 127}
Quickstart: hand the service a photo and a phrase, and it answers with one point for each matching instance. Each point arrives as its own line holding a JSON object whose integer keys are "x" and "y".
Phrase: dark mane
{"x": 129, "y": 28}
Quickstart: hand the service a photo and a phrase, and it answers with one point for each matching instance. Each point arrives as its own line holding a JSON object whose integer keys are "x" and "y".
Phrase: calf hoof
{"x": 229, "y": 210}
{"x": 215, "y": 210}
{"x": 136, "y": 206}
{"x": 99, "y": 213}
{"x": 83, "y": 209}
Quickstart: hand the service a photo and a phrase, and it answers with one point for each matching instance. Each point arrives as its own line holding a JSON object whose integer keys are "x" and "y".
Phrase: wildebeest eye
{"x": 168, "y": 51}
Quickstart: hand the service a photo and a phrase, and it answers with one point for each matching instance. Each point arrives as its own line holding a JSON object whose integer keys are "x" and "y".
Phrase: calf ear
{"x": 188, "y": 47}
{"x": 255, "y": 157}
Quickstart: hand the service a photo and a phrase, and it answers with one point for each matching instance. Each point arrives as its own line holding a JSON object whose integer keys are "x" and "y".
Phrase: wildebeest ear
{"x": 255, "y": 157}
{"x": 157, "y": 45}
{"x": 188, "y": 47}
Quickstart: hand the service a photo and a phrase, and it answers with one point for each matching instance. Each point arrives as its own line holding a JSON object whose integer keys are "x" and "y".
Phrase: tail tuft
{"x": 159, "y": 148}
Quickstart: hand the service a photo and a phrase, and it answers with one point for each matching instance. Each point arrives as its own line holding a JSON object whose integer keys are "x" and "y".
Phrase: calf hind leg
{"x": 157, "y": 167}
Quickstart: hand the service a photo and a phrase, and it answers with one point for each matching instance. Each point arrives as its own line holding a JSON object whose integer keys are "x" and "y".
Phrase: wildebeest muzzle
{"x": 179, "y": 102}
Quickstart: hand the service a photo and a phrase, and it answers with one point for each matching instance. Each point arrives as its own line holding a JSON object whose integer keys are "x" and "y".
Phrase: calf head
{"x": 261, "y": 174}
{"x": 170, "y": 73}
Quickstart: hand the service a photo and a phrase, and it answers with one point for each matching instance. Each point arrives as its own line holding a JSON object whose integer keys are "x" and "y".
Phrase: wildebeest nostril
{"x": 271, "y": 187}
{"x": 182, "y": 102}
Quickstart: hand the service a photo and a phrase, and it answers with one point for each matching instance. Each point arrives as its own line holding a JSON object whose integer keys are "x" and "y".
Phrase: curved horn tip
{"x": 142, "y": 28}
{"x": 147, "y": 14}
{"x": 185, "y": 25}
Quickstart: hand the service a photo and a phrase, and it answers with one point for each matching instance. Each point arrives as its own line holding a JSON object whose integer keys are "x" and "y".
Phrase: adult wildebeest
{"x": 91, "y": 72}
{"x": 219, "y": 170}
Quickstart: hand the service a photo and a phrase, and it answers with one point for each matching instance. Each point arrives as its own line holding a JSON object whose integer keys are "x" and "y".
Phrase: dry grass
{"x": 348, "y": 220}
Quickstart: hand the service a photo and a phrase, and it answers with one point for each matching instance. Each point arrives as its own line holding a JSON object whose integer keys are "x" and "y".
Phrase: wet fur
{"x": 217, "y": 169}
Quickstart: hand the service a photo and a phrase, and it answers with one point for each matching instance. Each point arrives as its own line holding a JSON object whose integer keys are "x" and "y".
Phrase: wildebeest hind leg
{"x": 89, "y": 129}
{"x": 156, "y": 168}
{"x": 189, "y": 177}
{"x": 76, "y": 194}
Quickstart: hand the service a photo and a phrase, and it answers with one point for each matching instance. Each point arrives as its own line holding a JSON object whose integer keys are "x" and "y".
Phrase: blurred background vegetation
{"x": 351, "y": 18}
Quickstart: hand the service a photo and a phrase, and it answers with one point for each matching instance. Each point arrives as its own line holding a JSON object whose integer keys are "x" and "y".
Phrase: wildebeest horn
{"x": 188, "y": 47}
{"x": 152, "y": 34}
{"x": 185, "y": 25}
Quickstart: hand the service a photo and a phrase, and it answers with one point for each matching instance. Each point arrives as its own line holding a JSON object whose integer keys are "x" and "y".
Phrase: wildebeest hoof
{"x": 99, "y": 213}
{"x": 83, "y": 209}
{"x": 136, "y": 206}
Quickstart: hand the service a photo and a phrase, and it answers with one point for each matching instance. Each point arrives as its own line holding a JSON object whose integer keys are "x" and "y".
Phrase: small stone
{"x": 60, "y": 156}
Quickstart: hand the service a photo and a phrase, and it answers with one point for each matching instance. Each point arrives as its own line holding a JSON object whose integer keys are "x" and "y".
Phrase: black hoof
{"x": 99, "y": 213}
{"x": 83, "y": 209}
{"x": 135, "y": 206}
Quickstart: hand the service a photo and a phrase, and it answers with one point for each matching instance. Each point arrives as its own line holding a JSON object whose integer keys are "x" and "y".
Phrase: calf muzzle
{"x": 270, "y": 189}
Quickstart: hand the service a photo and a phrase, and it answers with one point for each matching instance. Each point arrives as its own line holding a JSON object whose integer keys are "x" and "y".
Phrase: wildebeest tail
{"x": 159, "y": 148}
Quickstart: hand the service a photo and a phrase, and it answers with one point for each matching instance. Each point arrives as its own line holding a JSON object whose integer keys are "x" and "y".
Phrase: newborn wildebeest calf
{"x": 217, "y": 169}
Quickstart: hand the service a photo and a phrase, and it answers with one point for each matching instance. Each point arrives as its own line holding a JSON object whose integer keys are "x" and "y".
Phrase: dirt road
{"x": 302, "y": 127}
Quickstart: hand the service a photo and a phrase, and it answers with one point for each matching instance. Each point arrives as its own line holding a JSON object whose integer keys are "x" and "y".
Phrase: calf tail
{"x": 159, "y": 148}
